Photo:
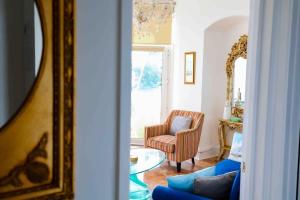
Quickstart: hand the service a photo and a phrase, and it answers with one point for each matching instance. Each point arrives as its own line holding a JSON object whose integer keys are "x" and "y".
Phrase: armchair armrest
{"x": 156, "y": 130}
{"x": 187, "y": 143}
{"x": 186, "y": 132}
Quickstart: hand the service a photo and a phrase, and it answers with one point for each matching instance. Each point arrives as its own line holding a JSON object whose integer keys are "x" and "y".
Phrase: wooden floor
{"x": 158, "y": 176}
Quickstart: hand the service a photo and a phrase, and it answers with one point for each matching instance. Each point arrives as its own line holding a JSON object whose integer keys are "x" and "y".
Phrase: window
{"x": 147, "y": 94}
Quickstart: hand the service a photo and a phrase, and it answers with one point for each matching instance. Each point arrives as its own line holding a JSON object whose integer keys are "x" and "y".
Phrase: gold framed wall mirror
{"x": 189, "y": 67}
{"x": 37, "y": 99}
{"x": 236, "y": 65}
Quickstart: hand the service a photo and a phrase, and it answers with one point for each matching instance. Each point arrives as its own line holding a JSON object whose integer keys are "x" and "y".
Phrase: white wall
{"x": 218, "y": 40}
{"x": 192, "y": 17}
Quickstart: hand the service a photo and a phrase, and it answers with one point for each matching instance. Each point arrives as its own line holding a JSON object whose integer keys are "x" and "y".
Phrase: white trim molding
{"x": 272, "y": 114}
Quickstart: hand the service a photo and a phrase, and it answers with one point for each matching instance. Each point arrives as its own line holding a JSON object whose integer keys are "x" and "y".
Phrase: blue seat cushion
{"x": 185, "y": 182}
{"x": 165, "y": 193}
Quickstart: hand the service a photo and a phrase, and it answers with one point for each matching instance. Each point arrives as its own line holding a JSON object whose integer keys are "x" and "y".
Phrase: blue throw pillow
{"x": 186, "y": 182}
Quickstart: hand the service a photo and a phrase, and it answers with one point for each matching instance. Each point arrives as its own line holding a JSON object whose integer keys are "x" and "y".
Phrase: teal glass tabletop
{"x": 147, "y": 160}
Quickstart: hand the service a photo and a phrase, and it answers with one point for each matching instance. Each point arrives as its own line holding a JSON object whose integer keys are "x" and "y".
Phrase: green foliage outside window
{"x": 151, "y": 77}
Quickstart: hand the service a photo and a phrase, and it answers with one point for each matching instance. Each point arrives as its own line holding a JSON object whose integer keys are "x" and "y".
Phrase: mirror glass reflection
{"x": 239, "y": 81}
{"x": 21, "y": 45}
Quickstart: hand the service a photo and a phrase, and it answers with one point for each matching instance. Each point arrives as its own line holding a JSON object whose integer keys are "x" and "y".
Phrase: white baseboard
{"x": 208, "y": 153}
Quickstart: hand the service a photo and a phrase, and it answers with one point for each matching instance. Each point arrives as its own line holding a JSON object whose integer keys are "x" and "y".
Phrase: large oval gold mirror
{"x": 239, "y": 81}
{"x": 20, "y": 54}
{"x": 37, "y": 99}
{"x": 236, "y": 65}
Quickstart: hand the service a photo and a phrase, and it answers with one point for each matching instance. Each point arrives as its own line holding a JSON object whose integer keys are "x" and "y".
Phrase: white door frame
{"x": 272, "y": 118}
{"x": 165, "y": 49}
{"x": 123, "y": 102}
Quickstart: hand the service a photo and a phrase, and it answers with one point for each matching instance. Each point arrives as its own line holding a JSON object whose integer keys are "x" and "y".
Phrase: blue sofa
{"x": 172, "y": 193}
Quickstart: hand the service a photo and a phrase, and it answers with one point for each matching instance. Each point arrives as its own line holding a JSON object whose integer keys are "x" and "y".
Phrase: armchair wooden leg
{"x": 178, "y": 167}
{"x": 193, "y": 161}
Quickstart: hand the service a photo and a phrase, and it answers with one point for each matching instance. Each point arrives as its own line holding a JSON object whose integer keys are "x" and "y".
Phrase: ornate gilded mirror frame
{"x": 239, "y": 49}
{"x": 37, "y": 144}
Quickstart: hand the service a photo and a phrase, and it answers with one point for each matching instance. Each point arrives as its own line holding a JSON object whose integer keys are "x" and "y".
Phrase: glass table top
{"x": 147, "y": 160}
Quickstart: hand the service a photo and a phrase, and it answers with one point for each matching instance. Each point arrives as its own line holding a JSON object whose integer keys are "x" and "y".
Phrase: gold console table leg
{"x": 222, "y": 135}
{"x": 222, "y": 140}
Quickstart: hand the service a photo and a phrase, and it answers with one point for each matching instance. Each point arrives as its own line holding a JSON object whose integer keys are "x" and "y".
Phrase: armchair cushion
{"x": 180, "y": 123}
{"x": 164, "y": 143}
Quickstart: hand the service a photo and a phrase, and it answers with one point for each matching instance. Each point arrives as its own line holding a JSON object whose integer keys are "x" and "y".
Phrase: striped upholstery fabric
{"x": 185, "y": 145}
{"x": 164, "y": 143}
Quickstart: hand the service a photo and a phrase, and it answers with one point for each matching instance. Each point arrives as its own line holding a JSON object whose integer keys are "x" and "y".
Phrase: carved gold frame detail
{"x": 37, "y": 144}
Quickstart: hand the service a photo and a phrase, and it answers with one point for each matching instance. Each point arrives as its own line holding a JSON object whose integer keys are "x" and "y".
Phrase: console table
{"x": 238, "y": 126}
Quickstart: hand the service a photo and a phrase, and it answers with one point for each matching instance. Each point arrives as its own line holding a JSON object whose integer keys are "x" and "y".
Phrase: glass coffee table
{"x": 148, "y": 159}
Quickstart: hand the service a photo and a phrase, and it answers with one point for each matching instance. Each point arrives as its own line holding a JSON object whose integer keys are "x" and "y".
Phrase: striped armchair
{"x": 178, "y": 148}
